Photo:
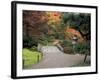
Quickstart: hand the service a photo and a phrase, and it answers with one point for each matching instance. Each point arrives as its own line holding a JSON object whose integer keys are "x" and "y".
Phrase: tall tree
{"x": 33, "y": 21}
{"x": 33, "y": 24}
{"x": 80, "y": 22}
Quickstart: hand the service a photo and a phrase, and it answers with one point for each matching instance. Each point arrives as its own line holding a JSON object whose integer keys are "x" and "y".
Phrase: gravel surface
{"x": 54, "y": 58}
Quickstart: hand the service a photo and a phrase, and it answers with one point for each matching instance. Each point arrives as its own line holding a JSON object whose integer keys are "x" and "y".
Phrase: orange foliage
{"x": 70, "y": 32}
{"x": 53, "y": 17}
{"x": 73, "y": 32}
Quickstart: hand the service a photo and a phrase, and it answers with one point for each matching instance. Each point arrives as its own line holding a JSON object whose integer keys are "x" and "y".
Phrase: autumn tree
{"x": 33, "y": 21}
{"x": 33, "y": 24}
{"x": 80, "y": 22}
{"x": 54, "y": 23}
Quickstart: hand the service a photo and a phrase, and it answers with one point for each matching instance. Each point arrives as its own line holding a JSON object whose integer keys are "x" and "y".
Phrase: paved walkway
{"x": 54, "y": 58}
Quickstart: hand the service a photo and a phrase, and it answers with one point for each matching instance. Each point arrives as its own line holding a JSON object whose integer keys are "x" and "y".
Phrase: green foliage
{"x": 78, "y": 21}
{"x": 45, "y": 40}
{"x": 30, "y": 57}
{"x": 28, "y": 42}
{"x": 67, "y": 47}
{"x": 83, "y": 48}
{"x": 66, "y": 43}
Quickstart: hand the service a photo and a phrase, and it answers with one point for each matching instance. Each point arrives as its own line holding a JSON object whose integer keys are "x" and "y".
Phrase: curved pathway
{"x": 54, "y": 58}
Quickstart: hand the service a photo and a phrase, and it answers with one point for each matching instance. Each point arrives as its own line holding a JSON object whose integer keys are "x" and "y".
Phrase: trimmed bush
{"x": 66, "y": 43}
{"x": 31, "y": 57}
{"x": 28, "y": 42}
{"x": 67, "y": 47}
{"x": 83, "y": 48}
{"x": 68, "y": 50}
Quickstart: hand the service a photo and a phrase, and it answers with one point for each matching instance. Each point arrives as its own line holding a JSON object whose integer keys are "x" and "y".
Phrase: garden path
{"x": 54, "y": 58}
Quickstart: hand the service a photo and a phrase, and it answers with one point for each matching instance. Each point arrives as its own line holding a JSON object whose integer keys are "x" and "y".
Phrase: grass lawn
{"x": 30, "y": 57}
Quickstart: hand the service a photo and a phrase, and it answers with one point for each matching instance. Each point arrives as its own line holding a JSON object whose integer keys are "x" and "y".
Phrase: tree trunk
{"x": 85, "y": 36}
{"x": 85, "y": 58}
